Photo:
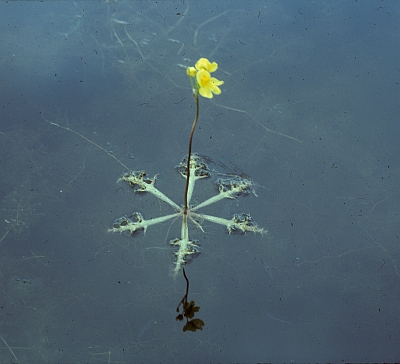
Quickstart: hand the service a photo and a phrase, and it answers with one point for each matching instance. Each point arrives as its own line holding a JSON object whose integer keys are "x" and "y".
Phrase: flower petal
{"x": 215, "y": 89}
{"x": 203, "y": 78}
{"x": 202, "y": 64}
{"x": 216, "y": 82}
{"x": 213, "y": 67}
{"x": 205, "y": 92}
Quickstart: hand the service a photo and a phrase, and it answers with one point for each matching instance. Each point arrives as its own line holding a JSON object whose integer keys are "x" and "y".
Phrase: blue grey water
{"x": 309, "y": 110}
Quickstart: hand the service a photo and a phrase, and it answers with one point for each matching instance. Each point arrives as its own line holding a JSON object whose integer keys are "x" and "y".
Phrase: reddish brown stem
{"x": 196, "y": 97}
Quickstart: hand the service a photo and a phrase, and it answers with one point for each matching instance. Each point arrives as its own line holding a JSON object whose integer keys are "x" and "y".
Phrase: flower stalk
{"x": 202, "y": 83}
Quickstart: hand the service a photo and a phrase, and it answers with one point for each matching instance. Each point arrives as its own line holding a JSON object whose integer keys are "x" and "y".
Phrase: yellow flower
{"x": 207, "y": 84}
{"x": 201, "y": 80}
{"x": 191, "y": 71}
{"x": 204, "y": 64}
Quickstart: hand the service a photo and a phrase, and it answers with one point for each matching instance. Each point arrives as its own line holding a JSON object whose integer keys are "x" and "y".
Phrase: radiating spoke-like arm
{"x": 136, "y": 222}
{"x": 198, "y": 170}
{"x": 188, "y": 249}
{"x": 239, "y": 222}
{"x": 229, "y": 188}
{"x": 138, "y": 180}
